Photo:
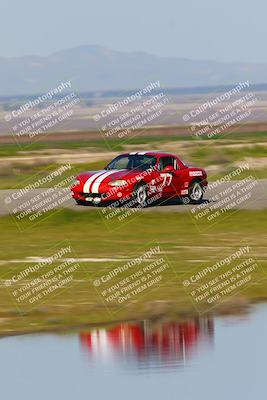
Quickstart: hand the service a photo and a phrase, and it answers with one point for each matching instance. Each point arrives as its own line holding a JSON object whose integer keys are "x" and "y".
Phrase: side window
{"x": 164, "y": 161}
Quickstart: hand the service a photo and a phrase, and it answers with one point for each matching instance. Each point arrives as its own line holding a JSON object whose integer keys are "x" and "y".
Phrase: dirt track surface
{"x": 251, "y": 195}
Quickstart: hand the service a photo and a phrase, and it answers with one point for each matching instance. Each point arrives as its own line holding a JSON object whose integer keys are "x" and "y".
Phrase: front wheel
{"x": 195, "y": 193}
{"x": 140, "y": 195}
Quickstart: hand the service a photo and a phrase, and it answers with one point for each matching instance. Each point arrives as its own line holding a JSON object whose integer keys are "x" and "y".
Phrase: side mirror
{"x": 168, "y": 168}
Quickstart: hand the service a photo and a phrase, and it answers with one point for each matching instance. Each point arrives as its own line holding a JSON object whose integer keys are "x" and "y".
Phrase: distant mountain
{"x": 97, "y": 68}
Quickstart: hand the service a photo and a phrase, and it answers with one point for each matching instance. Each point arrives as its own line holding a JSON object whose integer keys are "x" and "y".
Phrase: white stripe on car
{"x": 97, "y": 182}
{"x": 87, "y": 184}
{"x": 139, "y": 153}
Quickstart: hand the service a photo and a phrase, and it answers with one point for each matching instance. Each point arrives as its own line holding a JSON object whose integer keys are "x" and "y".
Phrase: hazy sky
{"x": 228, "y": 30}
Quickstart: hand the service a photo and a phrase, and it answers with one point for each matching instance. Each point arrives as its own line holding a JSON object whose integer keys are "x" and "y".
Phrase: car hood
{"x": 110, "y": 175}
{"x": 91, "y": 180}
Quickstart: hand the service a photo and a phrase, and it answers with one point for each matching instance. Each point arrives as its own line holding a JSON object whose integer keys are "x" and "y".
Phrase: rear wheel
{"x": 195, "y": 192}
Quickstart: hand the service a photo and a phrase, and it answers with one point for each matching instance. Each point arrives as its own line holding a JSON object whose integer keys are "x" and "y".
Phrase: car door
{"x": 172, "y": 180}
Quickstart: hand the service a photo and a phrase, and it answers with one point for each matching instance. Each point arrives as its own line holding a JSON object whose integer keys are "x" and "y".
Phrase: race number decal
{"x": 167, "y": 178}
{"x": 158, "y": 184}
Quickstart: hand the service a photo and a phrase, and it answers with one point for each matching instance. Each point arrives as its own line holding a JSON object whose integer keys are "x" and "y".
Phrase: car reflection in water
{"x": 148, "y": 344}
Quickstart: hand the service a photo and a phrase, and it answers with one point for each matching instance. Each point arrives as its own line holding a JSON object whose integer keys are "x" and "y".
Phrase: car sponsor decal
{"x": 195, "y": 173}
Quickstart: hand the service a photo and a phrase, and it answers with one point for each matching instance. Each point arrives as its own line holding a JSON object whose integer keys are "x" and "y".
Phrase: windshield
{"x": 136, "y": 161}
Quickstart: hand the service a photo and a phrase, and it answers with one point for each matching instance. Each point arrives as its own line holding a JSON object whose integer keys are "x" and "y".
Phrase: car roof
{"x": 151, "y": 153}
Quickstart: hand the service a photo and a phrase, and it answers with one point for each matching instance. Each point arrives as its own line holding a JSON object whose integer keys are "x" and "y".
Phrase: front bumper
{"x": 103, "y": 197}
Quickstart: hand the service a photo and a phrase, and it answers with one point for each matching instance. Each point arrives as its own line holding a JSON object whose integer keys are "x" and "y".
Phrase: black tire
{"x": 195, "y": 192}
{"x": 139, "y": 195}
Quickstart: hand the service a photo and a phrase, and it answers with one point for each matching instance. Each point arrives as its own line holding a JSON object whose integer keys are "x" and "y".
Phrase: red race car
{"x": 140, "y": 178}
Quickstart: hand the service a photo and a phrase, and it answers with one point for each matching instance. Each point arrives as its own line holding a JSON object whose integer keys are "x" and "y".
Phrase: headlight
{"x": 75, "y": 182}
{"x": 119, "y": 182}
